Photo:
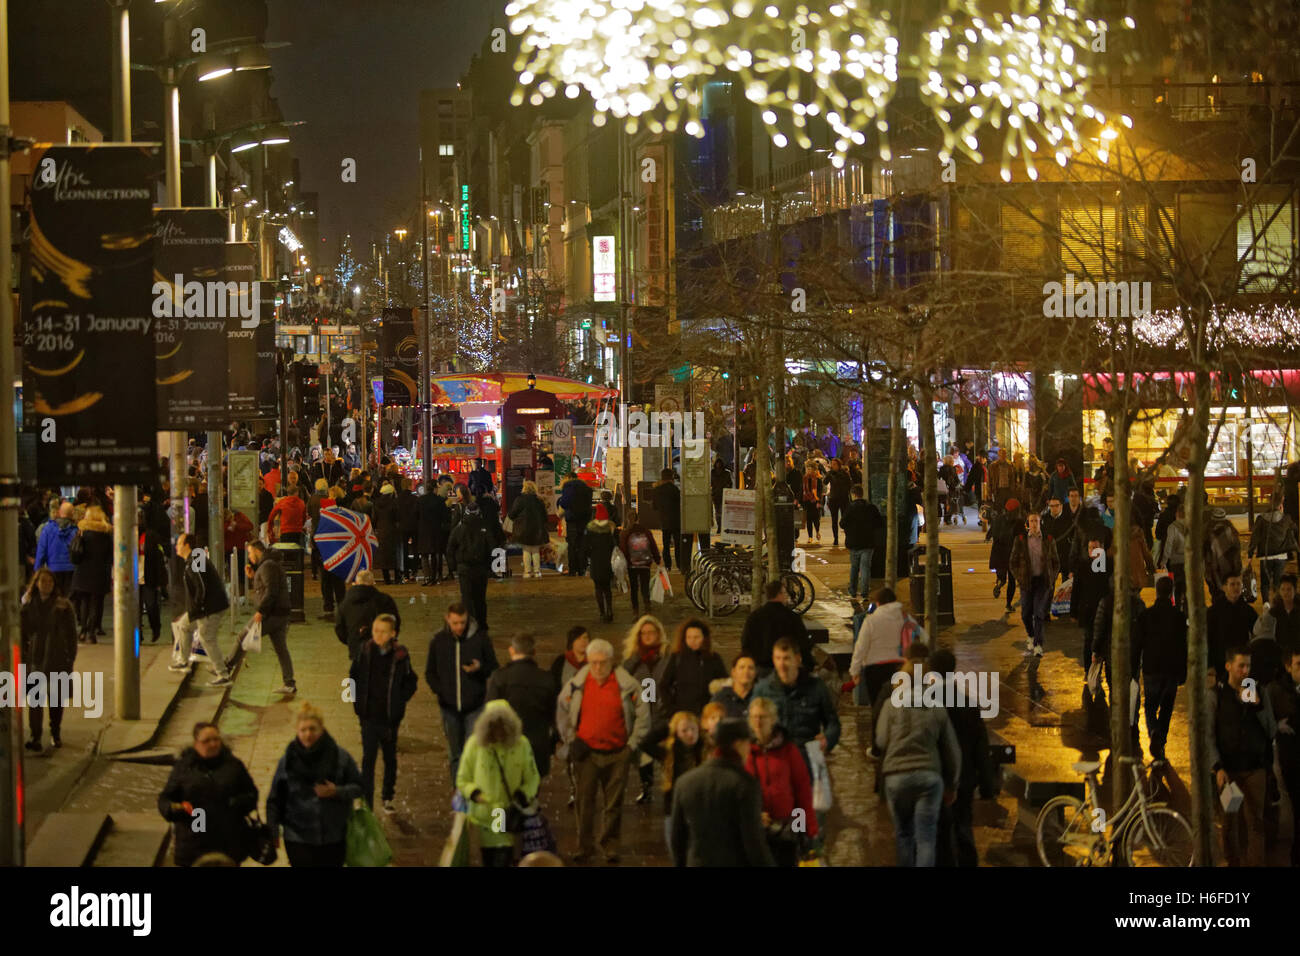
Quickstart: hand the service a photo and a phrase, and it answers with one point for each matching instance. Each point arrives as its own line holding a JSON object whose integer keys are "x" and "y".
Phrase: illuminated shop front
{"x": 1259, "y": 439}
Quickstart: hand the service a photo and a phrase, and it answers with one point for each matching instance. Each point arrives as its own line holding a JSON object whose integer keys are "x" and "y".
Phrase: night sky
{"x": 354, "y": 74}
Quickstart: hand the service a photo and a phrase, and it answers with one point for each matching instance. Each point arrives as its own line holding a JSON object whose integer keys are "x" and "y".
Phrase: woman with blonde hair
{"x": 529, "y": 527}
{"x": 497, "y": 771}
{"x": 643, "y": 658}
{"x": 312, "y": 792}
{"x": 93, "y": 573}
{"x": 679, "y": 747}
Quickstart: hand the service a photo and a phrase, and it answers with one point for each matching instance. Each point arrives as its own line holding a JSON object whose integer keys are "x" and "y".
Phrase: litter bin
{"x": 916, "y": 562}
{"x": 290, "y": 555}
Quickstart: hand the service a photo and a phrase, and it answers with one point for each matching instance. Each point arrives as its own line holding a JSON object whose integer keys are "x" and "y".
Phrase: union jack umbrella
{"x": 346, "y": 540}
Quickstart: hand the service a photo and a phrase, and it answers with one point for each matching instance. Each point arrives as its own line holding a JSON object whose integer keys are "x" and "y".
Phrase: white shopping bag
{"x": 618, "y": 565}
{"x": 252, "y": 642}
{"x": 821, "y": 782}
{"x": 660, "y": 586}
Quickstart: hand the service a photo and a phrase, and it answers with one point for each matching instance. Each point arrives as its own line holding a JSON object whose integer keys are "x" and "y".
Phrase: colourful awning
{"x": 496, "y": 386}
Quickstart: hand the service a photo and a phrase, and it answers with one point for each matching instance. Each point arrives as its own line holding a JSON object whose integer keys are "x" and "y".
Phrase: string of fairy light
{"x": 1022, "y": 78}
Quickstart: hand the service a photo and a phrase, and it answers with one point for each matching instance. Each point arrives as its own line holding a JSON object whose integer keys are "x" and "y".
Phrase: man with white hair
{"x": 602, "y": 719}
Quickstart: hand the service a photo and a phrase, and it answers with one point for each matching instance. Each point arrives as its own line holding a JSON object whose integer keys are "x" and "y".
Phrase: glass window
{"x": 1265, "y": 244}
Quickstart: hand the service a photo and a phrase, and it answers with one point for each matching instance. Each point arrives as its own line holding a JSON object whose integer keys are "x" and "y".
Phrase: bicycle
{"x": 1146, "y": 832}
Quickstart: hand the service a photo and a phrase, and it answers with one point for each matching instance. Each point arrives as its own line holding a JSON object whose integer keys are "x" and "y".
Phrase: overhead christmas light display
{"x": 645, "y": 63}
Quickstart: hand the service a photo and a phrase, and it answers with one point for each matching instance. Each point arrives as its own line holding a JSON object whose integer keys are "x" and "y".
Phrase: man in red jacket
{"x": 292, "y": 512}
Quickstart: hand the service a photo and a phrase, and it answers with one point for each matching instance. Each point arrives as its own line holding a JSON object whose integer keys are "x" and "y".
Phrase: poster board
{"x": 737, "y": 516}
{"x": 697, "y": 505}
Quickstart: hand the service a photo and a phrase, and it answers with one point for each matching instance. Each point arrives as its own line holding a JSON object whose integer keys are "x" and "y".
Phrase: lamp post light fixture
{"x": 532, "y": 380}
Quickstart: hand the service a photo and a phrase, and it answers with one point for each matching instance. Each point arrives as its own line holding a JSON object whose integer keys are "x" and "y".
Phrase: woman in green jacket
{"x": 496, "y": 769}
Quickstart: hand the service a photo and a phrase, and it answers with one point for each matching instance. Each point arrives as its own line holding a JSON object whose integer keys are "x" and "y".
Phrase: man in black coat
{"x": 205, "y": 600}
{"x": 432, "y": 530}
{"x": 771, "y": 622}
{"x": 461, "y": 659}
{"x": 956, "y": 842}
{"x": 531, "y": 692}
{"x": 576, "y": 503}
{"x": 719, "y": 481}
{"x": 1229, "y": 622}
{"x": 1160, "y": 651}
{"x": 668, "y": 505}
{"x": 861, "y": 523}
{"x": 408, "y": 525}
{"x": 271, "y": 599}
{"x": 470, "y": 548}
{"x": 384, "y": 681}
{"x": 361, "y": 605}
{"x": 717, "y": 816}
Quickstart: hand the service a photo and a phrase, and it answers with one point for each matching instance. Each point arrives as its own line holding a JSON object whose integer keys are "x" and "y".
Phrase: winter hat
{"x": 602, "y": 513}
{"x": 1013, "y": 504}
{"x": 729, "y": 731}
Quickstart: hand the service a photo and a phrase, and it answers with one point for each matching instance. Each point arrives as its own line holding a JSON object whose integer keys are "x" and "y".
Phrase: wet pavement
{"x": 1041, "y": 710}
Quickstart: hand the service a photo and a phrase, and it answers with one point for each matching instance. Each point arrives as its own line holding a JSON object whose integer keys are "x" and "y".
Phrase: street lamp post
{"x": 426, "y": 360}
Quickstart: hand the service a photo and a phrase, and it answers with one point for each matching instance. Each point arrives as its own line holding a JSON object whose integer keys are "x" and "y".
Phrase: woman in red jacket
{"x": 783, "y": 777}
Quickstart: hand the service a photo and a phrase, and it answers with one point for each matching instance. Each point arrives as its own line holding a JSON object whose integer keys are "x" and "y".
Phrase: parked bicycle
{"x": 1146, "y": 832}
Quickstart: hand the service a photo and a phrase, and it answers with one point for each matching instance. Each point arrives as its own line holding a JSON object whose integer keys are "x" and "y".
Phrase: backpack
{"x": 475, "y": 548}
{"x": 76, "y": 548}
{"x": 638, "y": 550}
{"x": 911, "y": 631}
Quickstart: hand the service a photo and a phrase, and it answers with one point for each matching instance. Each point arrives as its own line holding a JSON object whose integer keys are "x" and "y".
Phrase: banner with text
{"x": 401, "y": 358}
{"x": 241, "y": 340}
{"x": 191, "y": 302}
{"x": 268, "y": 401}
{"x": 88, "y": 326}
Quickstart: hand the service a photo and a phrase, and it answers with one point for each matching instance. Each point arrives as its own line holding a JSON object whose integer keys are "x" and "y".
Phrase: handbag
{"x": 508, "y": 526}
{"x": 259, "y": 840}
{"x": 77, "y": 548}
{"x": 516, "y": 814}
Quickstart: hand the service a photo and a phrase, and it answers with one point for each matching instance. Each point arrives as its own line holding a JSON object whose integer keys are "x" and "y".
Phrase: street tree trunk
{"x": 930, "y": 486}
{"x": 891, "y": 492}
{"x": 777, "y": 373}
{"x": 762, "y": 471}
{"x": 1121, "y": 736}
{"x": 1200, "y": 775}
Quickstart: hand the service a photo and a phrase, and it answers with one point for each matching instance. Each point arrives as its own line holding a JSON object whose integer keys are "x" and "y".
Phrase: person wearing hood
{"x": 384, "y": 680}
{"x": 498, "y": 772}
{"x": 434, "y": 527}
{"x": 690, "y": 668}
{"x": 461, "y": 660}
{"x": 469, "y": 547}
{"x": 1002, "y": 532}
{"x": 49, "y": 646}
{"x": 529, "y": 527}
{"x": 312, "y": 792}
{"x": 386, "y": 520}
{"x": 788, "y": 816}
{"x": 209, "y": 780}
{"x": 94, "y": 570}
{"x": 1173, "y": 554}
{"x": 271, "y": 600}
{"x": 1273, "y": 539}
{"x": 362, "y": 603}
{"x": 717, "y": 816}
{"x": 600, "y": 549}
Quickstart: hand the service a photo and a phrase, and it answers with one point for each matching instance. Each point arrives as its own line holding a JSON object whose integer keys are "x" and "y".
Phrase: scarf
{"x": 315, "y": 764}
{"x": 648, "y": 655}
{"x": 574, "y": 660}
